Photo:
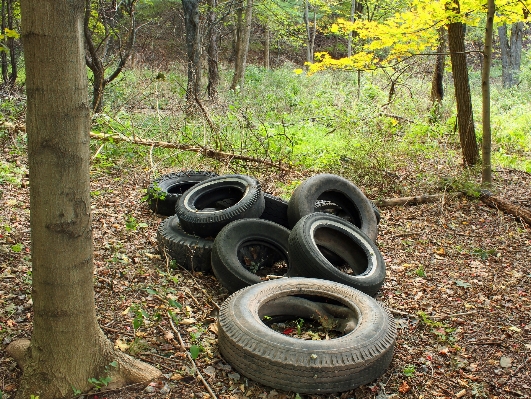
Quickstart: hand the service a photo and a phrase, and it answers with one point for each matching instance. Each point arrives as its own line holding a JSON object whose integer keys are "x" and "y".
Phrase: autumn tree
{"x": 67, "y": 346}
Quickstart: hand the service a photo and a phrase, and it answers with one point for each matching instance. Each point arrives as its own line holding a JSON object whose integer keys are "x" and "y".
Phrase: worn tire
{"x": 305, "y": 366}
{"x": 318, "y": 235}
{"x": 340, "y": 191}
{"x": 192, "y": 206}
{"x": 234, "y": 265}
{"x": 276, "y": 210}
{"x": 189, "y": 251}
{"x": 171, "y": 186}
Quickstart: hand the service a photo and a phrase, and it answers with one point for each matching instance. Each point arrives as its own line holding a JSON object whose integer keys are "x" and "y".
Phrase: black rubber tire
{"x": 276, "y": 210}
{"x": 334, "y": 209}
{"x": 192, "y": 206}
{"x": 340, "y": 191}
{"x": 236, "y": 268}
{"x": 189, "y": 251}
{"x": 305, "y": 366}
{"x": 345, "y": 242}
{"x": 171, "y": 186}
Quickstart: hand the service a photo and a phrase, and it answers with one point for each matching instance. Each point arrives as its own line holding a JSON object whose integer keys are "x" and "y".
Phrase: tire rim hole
{"x": 341, "y": 251}
{"x": 338, "y": 204}
{"x": 219, "y": 198}
{"x": 263, "y": 259}
{"x": 180, "y": 188}
{"x": 308, "y": 317}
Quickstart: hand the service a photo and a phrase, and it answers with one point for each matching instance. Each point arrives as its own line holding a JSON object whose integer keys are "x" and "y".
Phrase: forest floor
{"x": 458, "y": 284}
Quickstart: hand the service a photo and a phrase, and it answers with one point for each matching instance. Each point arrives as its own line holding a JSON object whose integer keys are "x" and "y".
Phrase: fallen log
{"x": 207, "y": 152}
{"x": 506, "y": 206}
{"x": 419, "y": 199}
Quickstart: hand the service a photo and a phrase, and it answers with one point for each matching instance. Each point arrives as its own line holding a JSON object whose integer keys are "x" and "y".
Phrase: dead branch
{"x": 207, "y": 152}
{"x": 420, "y": 199}
{"x": 506, "y": 206}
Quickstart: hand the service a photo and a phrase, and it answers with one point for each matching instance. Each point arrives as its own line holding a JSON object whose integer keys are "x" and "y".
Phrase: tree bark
{"x": 310, "y": 34}
{"x": 213, "y": 51}
{"x": 350, "y": 33}
{"x": 437, "y": 88}
{"x": 511, "y": 52}
{"x": 3, "y": 55}
{"x": 11, "y": 44}
{"x": 193, "y": 48}
{"x": 241, "y": 59}
{"x": 67, "y": 346}
{"x": 486, "y": 168}
{"x": 465, "y": 117}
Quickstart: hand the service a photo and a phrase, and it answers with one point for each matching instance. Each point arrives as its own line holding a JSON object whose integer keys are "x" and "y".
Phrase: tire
{"x": 197, "y": 220}
{"x": 245, "y": 250}
{"x": 340, "y": 191}
{"x": 276, "y": 210}
{"x": 305, "y": 366}
{"x": 334, "y": 209}
{"x": 163, "y": 192}
{"x": 320, "y": 245}
{"x": 189, "y": 251}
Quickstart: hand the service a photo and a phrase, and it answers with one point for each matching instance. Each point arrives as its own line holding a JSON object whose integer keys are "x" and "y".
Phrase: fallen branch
{"x": 207, "y": 152}
{"x": 506, "y": 206}
{"x": 419, "y": 199}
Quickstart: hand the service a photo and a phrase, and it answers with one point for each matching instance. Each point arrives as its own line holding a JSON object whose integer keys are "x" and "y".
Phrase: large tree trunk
{"x": 213, "y": 37}
{"x": 193, "y": 48}
{"x": 511, "y": 52}
{"x": 486, "y": 169}
{"x": 465, "y": 117}
{"x": 243, "y": 46}
{"x": 437, "y": 88}
{"x": 67, "y": 346}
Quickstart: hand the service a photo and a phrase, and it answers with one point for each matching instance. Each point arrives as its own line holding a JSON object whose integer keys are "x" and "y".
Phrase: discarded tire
{"x": 246, "y": 251}
{"x": 340, "y": 191}
{"x": 276, "y": 210}
{"x": 194, "y": 207}
{"x": 164, "y": 191}
{"x": 188, "y": 250}
{"x": 329, "y": 247}
{"x": 305, "y": 366}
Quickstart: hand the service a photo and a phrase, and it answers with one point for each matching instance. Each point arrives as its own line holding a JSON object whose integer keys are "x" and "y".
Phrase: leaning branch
{"x": 207, "y": 152}
{"x": 419, "y": 199}
{"x": 507, "y": 207}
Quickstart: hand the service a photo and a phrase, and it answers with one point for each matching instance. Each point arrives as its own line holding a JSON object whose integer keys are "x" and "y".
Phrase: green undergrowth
{"x": 318, "y": 123}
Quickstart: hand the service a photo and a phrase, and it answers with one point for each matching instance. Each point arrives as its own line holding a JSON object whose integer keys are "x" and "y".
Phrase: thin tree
{"x": 465, "y": 116}
{"x": 193, "y": 48}
{"x": 486, "y": 169}
{"x": 67, "y": 346}
{"x": 213, "y": 50}
{"x": 97, "y": 56}
{"x": 437, "y": 87}
{"x": 243, "y": 47}
{"x": 8, "y": 33}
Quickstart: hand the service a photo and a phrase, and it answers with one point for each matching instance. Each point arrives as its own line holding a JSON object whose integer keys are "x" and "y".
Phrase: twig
{"x": 97, "y": 152}
{"x": 205, "y": 383}
{"x": 399, "y": 312}
{"x": 419, "y": 199}
{"x": 454, "y": 315}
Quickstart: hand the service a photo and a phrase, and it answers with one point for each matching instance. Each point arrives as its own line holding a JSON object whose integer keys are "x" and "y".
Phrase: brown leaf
{"x": 404, "y": 387}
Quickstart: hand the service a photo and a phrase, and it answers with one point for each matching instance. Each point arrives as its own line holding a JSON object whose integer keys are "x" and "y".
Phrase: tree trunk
{"x": 486, "y": 169}
{"x": 511, "y": 52}
{"x": 67, "y": 346}
{"x": 465, "y": 117}
{"x": 11, "y": 44}
{"x": 350, "y": 33}
{"x": 309, "y": 49}
{"x": 193, "y": 48}
{"x": 437, "y": 88}
{"x": 241, "y": 60}
{"x": 267, "y": 46}
{"x": 3, "y": 55}
{"x": 213, "y": 37}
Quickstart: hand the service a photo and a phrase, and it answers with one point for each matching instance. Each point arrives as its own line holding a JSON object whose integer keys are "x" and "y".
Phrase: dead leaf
{"x": 505, "y": 361}
{"x": 187, "y": 322}
{"x": 460, "y": 394}
{"x": 168, "y": 335}
{"x": 214, "y": 328}
{"x": 404, "y": 387}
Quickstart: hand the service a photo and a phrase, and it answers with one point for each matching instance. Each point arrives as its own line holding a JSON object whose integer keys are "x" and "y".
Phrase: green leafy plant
{"x": 17, "y": 247}
{"x": 483, "y": 254}
{"x": 442, "y": 331}
{"x": 139, "y": 316}
{"x": 194, "y": 351}
{"x": 101, "y": 382}
{"x": 300, "y": 323}
{"x": 420, "y": 271}
{"x": 409, "y": 370}
{"x": 76, "y": 392}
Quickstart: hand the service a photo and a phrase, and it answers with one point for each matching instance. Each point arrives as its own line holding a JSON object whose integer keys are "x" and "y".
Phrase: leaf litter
{"x": 457, "y": 283}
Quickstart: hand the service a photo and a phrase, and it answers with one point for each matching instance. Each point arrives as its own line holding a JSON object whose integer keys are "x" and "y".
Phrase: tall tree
{"x": 465, "y": 116}
{"x": 67, "y": 346}
{"x": 311, "y": 31}
{"x": 437, "y": 88}
{"x": 119, "y": 35}
{"x": 242, "y": 47}
{"x": 212, "y": 51}
{"x": 511, "y": 52}
{"x": 193, "y": 48}
{"x": 8, "y": 35}
{"x": 486, "y": 169}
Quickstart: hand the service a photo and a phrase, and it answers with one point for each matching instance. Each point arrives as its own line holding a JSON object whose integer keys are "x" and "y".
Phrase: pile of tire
{"x": 323, "y": 240}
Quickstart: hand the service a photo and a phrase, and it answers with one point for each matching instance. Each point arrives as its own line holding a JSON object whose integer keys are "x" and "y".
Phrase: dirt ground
{"x": 458, "y": 284}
